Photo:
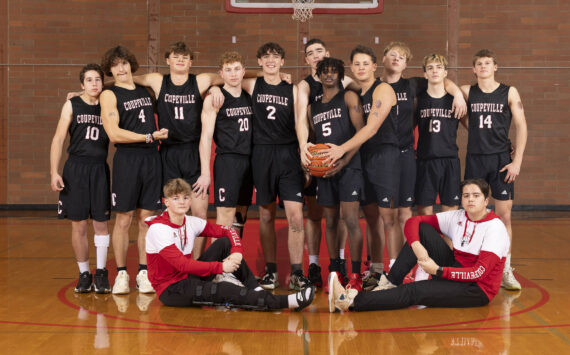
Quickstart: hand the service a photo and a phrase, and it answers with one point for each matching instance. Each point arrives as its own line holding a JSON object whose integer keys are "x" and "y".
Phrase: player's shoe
{"x": 84, "y": 282}
{"x": 298, "y": 281}
{"x": 340, "y": 277}
{"x": 315, "y": 275}
{"x": 121, "y": 286}
{"x": 305, "y": 297}
{"x": 143, "y": 284}
{"x": 343, "y": 276}
{"x": 227, "y": 277}
{"x": 354, "y": 282}
{"x": 101, "y": 281}
{"x": 339, "y": 298}
{"x": 371, "y": 281}
{"x": 269, "y": 281}
{"x": 509, "y": 282}
{"x": 384, "y": 284}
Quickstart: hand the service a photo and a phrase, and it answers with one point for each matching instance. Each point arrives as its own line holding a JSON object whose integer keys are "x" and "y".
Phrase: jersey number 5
{"x": 327, "y": 129}
{"x": 485, "y": 121}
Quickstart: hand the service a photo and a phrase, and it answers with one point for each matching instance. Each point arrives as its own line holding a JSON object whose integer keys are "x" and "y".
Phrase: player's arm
{"x": 302, "y": 123}
{"x": 151, "y": 80}
{"x": 459, "y": 106}
{"x": 412, "y": 233}
{"x": 110, "y": 118}
{"x": 349, "y": 84}
{"x": 57, "y": 145}
{"x": 209, "y": 114}
{"x": 465, "y": 119}
{"x": 515, "y": 103}
{"x": 248, "y": 85}
{"x": 208, "y": 83}
{"x": 383, "y": 99}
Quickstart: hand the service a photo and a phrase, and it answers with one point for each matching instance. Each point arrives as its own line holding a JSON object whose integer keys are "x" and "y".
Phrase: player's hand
{"x": 305, "y": 154}
{"x": 236, "y": 257}
{"x": 200, "y": 187}
{"x": 71, "y": 95}
{"x": 161, "y": 134}
{"x": 459, "y": 106}
{"x": 334, "y": 153}
{"x": 428, "y": 265}
{"x": 286, "y": 77}
{"x": 512, "y": 170}
{"x": 56, "y": 183}
{"x": 229, "y": 265}
{"x": 217, "y": 97}
{"x": 341, "y": 163}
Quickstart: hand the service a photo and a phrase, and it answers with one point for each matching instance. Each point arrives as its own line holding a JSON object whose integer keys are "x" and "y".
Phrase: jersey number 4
{"x": 485, "y": 121}
{"x": 141, "y": 116}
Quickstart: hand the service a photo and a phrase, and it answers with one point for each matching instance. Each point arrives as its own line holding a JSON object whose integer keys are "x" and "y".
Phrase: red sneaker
{"x": 411, "y": 276}
{"x": 354, "y": 282}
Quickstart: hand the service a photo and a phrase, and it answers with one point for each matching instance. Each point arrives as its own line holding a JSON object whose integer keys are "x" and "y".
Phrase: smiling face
{"x": 271, "y": 62}
{"x": 92, "y": 83}
{"x": 179, "y": 63}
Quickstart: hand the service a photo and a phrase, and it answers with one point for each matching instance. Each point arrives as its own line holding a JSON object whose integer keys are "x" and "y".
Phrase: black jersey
{"x": 489, "y": 120}
{"x": 437, "y": 127}
{"x": 315, "y": 89}
{"x": 386, "y": 134}
{"x": 179, "y": 108}
{"x": 233, "y": 124}
{"x": 406, "y": 91}
{"x": 87, "y": 136}
{"x": 333, "y": 125}
{"x": 274, "y": 113}
{"x": 136, "y": 113}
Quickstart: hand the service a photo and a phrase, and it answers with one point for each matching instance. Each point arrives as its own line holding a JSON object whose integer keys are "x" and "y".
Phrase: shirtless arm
{"x": 519, "y": 120}
{"x": 459, "y": 106}
{"x": 151, "y": 80}
{"x": 209, "y": 114}
{"x": 57, "y": 146}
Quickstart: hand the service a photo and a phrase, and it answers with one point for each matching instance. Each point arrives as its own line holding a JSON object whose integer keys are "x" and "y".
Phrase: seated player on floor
{"x": 219, "y": 277}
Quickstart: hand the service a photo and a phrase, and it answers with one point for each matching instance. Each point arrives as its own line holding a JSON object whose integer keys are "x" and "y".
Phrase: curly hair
{"x": 112, "y": 55}
{"x": 271, "y": 47}
{"x": 336, "y": 64}
{"x": 88, "y": 67}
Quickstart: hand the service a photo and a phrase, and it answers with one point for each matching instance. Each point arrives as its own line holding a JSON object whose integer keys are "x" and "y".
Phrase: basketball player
{"x": 469, "y": 275}
{"x": 181, "y": 281}
{"x": 84, "y": 188}
{"x": 230, "y": 126}
{"x": 275, "y": 163}
{"x": 128, "y": 118}
{"x": 335, "y": 119}
{"x": 491, "y": 108}
{"x": 395, "y": 60}
{"x": 439, "y": 171}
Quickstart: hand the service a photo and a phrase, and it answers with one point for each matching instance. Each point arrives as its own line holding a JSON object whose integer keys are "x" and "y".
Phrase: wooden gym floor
{"x": 40, "y": 313}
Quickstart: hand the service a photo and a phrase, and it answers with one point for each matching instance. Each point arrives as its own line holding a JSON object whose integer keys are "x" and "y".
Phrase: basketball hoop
{"x": 302, "y": 9}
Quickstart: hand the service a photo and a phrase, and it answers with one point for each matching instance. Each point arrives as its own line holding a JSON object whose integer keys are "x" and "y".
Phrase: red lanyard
{"x": 464, "y": 239}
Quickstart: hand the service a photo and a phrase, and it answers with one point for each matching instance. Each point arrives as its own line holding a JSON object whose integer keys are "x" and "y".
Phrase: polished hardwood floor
{"x": 40, "y": 313}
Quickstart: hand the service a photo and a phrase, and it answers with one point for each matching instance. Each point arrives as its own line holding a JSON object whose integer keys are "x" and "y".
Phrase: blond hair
{"x": 404, "y": 49}
{"x": 176, "y": 186}
{"x": 435, "y": 58}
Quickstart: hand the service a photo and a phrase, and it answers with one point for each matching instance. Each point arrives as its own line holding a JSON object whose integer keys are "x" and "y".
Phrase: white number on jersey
{"x": 243, "y": 124}
{"x": 485, "y": 121}
{"x": 327, "y": 129}
{"x": 178, "y": 113}
{"x": 434, "y": 126}
{"x": 141, "y": 116}
{"x": 271, "y": 114}
{"x": 92, "y": 133}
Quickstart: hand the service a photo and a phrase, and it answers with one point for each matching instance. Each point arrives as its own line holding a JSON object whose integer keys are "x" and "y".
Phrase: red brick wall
{"x": 45, "y": 45}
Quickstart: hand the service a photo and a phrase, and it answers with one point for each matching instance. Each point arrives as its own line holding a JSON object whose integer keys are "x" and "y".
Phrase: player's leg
{"x": 296, "y": 244}
{"x": 267, "y": 240}
{"x": 120, "y": 239}
{"x": 349, "y": 214}
{"x": 313, "y": 233}
{"x": 225, "y": 216}
{"x": 332, "y": 216}
{"x": 394, "y": 239}
{"x": 101, "y": 239}
{"x": 80, "y": 246}
{"x": 143, "y": 283}
{"x": 101, "y": 211}
{"x": 375, "y": 244}
{"x": 199, "y": 208}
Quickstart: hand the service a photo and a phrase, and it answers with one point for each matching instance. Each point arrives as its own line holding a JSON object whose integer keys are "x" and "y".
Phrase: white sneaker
{"x": 228, "y": 277}
{"x": 143, "y": 284}
{"x": 121, "y": 286}
{"x": 383, "y": 284}
{"x": 509, "y": 282}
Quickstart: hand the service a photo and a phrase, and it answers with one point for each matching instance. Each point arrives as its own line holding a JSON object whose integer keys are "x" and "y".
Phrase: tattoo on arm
{"x": 111, "y": 114}
{"x": 357, "y": 108}
{"x": 520, "y": 105}
{"x": 375, "y": 114}
{"x": 377, "y": 103}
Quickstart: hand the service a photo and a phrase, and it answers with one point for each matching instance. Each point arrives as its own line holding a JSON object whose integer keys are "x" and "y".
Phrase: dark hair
{"x": 483, "y": 185}
{"x": 118, "y": 52}
{"x": 88, "y": 67}
{"x": 178, "y": 48}
{"x": 314, "y": 41}
{"x": 485, "y": 53}
{"x": 336, "y": 64}
{"x": 360, "y": 49}
{"x": 270, "y": 47}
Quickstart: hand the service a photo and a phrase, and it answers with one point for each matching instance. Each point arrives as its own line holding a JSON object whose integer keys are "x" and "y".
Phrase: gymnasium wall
{"x": 43, "y": 45}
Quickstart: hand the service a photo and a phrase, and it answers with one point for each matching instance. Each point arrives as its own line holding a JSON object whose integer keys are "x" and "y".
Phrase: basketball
{"x": 317, "y": 167}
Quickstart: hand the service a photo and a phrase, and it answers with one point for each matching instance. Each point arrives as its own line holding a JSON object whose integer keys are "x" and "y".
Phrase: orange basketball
{"x": 317, "y": 167}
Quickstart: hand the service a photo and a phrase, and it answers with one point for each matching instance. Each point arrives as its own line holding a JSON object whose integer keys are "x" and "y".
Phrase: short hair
{"x": 88, "y": 67}
{"x": 329, "y": 62}
{"x": 230, "y": 57}
{"x": 485, "y": 53}
{"x": 118, "y": 52}
{"x": 176, "y": 186}
{"x": 178, "y": 48}
{"x": 360, "y": 49}
{"x": 435, "y": 58}
{"x": 483, "y": 185}
{"x": 401, "y": 45}
{"x": 270, "y": 47}
{"x": 314, "y": 41}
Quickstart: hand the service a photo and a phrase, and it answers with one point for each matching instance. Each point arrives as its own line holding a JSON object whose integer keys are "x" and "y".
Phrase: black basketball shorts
{"x": 487, "y": 166}
{"x": 407, "y": 177}
{"x": 233, "y": 182}
{"x": 181, "y": 161}
{"x": 381, "y": 174}
{"x": 346, "y": 186}
{"x": 438, "y": 177}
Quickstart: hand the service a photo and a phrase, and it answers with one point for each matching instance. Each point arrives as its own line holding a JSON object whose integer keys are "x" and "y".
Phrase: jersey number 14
{"x": 485, "y": 121}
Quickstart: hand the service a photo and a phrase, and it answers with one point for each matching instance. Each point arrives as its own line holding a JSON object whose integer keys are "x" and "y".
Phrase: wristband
{"x": 439, "y": 272}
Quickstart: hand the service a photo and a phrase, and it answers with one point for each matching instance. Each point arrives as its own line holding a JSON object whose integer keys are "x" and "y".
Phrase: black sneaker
{"x": 303, "y": 300}
{"x": 315, "y": 275}
{"x": 371, "y": 281}
{"x": 343, "y": 269}
{"x": 84, "y": 282}
{"x": 101, "y": 281}
{"x": 298, "y": 281}
{"x": 269, "y": 281}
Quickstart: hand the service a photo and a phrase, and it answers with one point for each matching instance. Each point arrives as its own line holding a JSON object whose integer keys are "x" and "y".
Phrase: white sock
{"x": 392, "y": 261}
{"x": 102, "y": 245}
{"x": 292, "y": 298}
{"x": 258, "y": 289}
{"x": 377, "y": 267}
{"x": 314, "y": 259}
{"x": 83, "y": 266}
{"x": 341, "y": 253}
{"x": 508, "y": 262}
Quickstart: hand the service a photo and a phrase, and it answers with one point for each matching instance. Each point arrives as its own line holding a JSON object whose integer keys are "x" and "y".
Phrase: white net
{"x": 303, "y": 9}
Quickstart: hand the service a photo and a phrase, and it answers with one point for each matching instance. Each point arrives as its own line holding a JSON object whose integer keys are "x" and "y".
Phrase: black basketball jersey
{"x": 136, "y": 113}
{"x": 315, "y": 89}
{"x": 233, "y": 124}
{"x": 87, "y": 136}
{"x": 179, "y": 109}
{"x": 386, "y": 134}
{"x": 489, "y": 120}
{"x": 406, "y": 91}
{"x": 333, "y": 125}
{"x": 274, "y": 113}
{"x": 437, "y": 127}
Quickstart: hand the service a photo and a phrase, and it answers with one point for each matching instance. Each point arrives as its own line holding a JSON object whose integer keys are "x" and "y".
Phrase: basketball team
{"x": 265, "y": 130}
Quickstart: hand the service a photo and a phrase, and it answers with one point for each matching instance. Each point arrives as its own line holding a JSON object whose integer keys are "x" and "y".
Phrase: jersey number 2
{"x": 271, "y": 114}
